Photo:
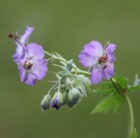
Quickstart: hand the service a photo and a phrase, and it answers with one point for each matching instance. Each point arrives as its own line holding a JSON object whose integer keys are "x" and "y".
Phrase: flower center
{"x": 28, "y": 64}
{"x": 103, "y": 59}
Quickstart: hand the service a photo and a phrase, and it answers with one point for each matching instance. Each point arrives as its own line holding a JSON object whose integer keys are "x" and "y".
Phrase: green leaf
{"x": 134, "y": 134}
{"x": 105, "y": 88}
{"x": 121, "y": 81}
{"x": 110, "y": 102}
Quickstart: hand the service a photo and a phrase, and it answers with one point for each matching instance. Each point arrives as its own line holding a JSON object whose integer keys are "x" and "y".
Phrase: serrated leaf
{"x": 105, "y": 88}
{"x": 110, "y": 102}
{"x": 134, "y": 133}
{"x": 121, "y": 81}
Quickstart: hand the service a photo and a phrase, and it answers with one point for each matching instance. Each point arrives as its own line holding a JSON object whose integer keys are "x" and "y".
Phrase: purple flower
{"x": 99, "y": 60}
{"x": 30, "y": 59}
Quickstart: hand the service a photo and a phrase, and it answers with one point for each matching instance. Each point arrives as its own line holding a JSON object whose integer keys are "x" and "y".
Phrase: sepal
{"x": 45, "y": 103}
{"x": 57, "y": 100}
{"x": 74, "y": 95}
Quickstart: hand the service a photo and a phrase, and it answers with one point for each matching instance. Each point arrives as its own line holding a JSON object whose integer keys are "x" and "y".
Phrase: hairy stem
{"x": 47, "y": 53}
{"x": 55, "y": 57}
{"x": 83, "y": 72}
{"x": 77, "y": 70}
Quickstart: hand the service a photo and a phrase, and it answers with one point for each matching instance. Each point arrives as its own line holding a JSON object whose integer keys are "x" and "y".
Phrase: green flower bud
{"x": 85, "y": 80}
{"x": 82, "y": 90}
{"x": 45, "y": 103}
{"x": 57, "y": 100}
{"x": 74, "y": 96}
{"x": 65, "y": 97}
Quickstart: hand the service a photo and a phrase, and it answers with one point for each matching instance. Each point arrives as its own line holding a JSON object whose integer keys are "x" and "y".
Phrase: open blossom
{"x": 30, "y": 59}
{"x": 99, "y": 60}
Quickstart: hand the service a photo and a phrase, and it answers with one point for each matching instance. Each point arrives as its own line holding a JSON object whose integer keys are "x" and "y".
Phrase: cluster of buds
{"x": 68, "y": 89}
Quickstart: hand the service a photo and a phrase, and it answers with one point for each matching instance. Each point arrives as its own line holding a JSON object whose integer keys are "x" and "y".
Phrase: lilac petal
{"x": 110, "y": 52}
{"x": 31, "y": 79}
{"x": 86, "y": 60}
{"x": 110, "y": 48}
{"x": 39, "y": 68}
{"x": 34, "y": 50}
{"x": 26, "y": 76}
{"x": 96, "y": 75}
{"x": 97, "y": 48}
{"x": 108, "y": 72}
{"x": 24, "y": 38}
{"x": 19, "y": 54}
{"x": 90, "y": 54}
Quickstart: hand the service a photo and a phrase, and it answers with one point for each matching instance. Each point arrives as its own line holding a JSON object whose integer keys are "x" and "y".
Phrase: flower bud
{"x": 85, "y": 80}
{"x": 82, "y": 90}
{"x": 57, "y": 100}
{"x": 65, "y": 97}
{"x": 74, "y": 96}
{"x": 45, "y": 103}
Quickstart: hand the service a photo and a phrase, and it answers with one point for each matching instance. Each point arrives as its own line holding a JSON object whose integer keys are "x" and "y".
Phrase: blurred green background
{"x": 65, "y": 26}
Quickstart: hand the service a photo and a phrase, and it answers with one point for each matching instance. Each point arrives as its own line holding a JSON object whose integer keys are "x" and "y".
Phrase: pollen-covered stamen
{"x": 103, "y": 59}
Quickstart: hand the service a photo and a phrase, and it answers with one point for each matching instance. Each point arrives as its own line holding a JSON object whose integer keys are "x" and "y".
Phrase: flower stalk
{"x": 131, "y": 125}
{"x": 130, "y": 107}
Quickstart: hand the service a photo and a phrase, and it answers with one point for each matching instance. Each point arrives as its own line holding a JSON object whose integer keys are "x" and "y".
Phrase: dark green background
{"x": 65, "y": 26}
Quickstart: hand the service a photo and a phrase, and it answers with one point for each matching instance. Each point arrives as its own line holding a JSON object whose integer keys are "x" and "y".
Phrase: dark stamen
{"x": 27, "y": 66}
{"x": 102, "y": 59}
{"x": 13, "y": 36}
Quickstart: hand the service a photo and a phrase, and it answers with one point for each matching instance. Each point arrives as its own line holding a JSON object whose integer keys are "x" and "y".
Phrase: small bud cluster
{"x": 68, "y": 89}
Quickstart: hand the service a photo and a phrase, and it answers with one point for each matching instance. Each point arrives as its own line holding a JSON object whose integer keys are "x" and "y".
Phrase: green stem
{"x": 131, "y": 125}
{"x": 83, "y": 72}
{"x": 50, "y": 90}
{"x": 115, "y": 85}
{"x": 65, "y": 61}
{"x": 47, "y": 53}
{"x": 55, "y": 57}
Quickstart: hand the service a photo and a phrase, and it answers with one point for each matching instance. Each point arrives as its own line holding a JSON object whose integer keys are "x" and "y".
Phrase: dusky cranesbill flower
{"x": 100, "y": 60}
{"x": 30, "y": 59}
